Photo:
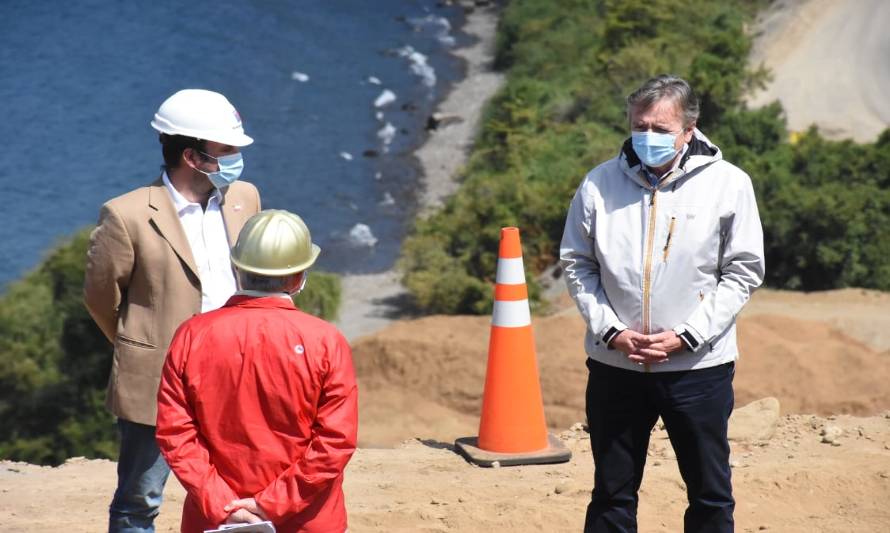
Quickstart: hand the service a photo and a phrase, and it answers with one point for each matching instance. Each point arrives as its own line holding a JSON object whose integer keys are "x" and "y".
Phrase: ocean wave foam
{"x": 361, "y": 235}
{"x": 386, "y": 134}
{"x": 440, "y": 26}
{"x": 386, "y": 97}
{"x": 419, "y": 65}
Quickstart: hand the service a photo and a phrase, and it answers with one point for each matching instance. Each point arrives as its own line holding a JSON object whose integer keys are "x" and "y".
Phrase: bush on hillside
{"x": 54, "y": 361}
{"x": 321, "y": 297}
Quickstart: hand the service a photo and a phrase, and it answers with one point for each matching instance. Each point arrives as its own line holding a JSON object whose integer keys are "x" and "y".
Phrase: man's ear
{"x": 191, "y": 157}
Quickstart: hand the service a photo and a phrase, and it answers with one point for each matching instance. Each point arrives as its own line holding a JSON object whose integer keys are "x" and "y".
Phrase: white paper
{"x": 261, "y": 527}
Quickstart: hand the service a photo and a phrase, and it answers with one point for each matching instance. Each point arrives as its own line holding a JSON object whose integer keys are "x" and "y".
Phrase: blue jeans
{"x": 622, "y": 408}
{"x": 141, "y": 475}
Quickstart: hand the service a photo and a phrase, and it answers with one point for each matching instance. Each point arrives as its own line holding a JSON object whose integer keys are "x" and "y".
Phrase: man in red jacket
{"x": 257, "y": 408}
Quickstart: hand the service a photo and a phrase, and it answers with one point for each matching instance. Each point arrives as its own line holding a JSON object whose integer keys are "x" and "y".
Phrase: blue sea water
{"x": 80, "y": 81}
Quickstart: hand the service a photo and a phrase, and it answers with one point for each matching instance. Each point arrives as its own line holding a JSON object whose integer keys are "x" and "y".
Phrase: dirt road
{"x": 831, "y": 65}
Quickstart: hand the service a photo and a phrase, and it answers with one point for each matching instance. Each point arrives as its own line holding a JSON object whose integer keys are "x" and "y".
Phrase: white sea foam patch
{"x": 440, "y": 27}
{"x": 379, "y": 115}
{"x": 374, "y": 80}
{"x": 346, "y": 155}
{"x": 299, "y": 76}
{"x": 387, "y": 200}
{"x": 360, "y": 235}
{"x": 386, "y": 97}
{"x": 386, "y": 135}
{"x": 419, "y": 65}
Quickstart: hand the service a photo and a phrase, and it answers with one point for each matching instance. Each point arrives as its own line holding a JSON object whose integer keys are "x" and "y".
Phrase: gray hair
{"x": 249, "y": 281}
{"x": 666, "y": 86}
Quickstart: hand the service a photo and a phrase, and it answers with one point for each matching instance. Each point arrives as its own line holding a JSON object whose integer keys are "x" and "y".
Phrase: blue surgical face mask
{"x": 230, "y": 167}
{"x": 654, "y": 149}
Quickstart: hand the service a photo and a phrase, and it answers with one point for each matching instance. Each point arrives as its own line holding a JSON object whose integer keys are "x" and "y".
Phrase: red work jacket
{"x": 258, "y": 399}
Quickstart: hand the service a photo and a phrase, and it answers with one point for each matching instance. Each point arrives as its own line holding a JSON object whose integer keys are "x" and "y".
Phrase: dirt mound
{"x": 428, "y": 374}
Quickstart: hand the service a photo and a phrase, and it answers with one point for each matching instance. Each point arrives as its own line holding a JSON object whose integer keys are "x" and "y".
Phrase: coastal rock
{"x": 442, "y": 120}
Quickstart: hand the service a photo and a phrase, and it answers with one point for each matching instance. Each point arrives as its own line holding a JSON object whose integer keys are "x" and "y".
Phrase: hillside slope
{"x": 829, "y": 64}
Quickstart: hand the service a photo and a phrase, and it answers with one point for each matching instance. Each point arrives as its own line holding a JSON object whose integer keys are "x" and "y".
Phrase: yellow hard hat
{"x": 273, "y": 243}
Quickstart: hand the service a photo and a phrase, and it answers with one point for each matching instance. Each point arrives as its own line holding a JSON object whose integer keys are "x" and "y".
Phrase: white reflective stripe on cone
{"x": 511, "y": 314}
{"x": 510, "y": 271}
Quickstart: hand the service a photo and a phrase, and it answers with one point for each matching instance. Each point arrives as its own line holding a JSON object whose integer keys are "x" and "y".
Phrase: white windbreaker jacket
{"x": 683, "y": 256}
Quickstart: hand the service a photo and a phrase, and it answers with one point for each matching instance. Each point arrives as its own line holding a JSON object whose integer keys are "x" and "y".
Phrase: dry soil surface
{"x": 792, "y": 482}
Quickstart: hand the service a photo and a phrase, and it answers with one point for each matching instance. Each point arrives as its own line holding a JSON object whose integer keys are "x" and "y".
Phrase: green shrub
{"x": 54, "y": 361}
{"x": 321, "y": 297}
{"x": 54, "y": 365}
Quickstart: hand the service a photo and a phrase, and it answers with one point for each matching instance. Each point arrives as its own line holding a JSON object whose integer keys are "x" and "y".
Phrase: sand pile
{"x": 424, "y": 378}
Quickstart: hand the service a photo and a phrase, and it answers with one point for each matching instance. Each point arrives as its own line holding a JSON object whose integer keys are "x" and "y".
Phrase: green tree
{"x": 54, "y": 361}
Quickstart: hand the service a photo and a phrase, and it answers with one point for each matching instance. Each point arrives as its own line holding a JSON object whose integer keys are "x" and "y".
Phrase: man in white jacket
{"x": 662, "y": 248}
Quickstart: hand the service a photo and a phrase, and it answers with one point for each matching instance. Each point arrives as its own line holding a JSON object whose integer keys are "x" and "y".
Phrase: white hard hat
{"x": 203, "y": 115}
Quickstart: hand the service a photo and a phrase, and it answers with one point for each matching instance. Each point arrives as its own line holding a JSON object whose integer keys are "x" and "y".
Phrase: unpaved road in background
{"x": 830, "y": 61}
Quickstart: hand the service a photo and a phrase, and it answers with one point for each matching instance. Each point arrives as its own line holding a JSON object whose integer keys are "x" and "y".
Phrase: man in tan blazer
{"x": 159, "y": 255}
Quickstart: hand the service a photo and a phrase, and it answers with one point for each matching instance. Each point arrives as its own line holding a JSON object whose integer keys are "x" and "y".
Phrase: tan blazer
{"x": 142, "y": 283}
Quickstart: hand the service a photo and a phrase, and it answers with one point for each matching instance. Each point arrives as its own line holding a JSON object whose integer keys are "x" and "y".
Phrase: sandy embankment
{"x": 823, "y": 353}
{"x": 371, "y": 301}
{"x": 829, "y": 60}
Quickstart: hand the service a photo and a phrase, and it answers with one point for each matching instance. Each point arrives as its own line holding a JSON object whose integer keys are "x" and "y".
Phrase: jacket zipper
{"x": 647, "y": 266}
{"x": 667, "y": 243}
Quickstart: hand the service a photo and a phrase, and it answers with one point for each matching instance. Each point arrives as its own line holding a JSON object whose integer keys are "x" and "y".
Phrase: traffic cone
{"x": 512, "y": 429}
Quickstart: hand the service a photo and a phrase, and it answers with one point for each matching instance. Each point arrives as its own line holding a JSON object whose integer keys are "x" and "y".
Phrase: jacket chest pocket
{"x": 689, "y": 233}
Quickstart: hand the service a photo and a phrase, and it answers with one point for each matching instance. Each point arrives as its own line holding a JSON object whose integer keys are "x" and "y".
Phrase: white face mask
{"x": 654, "y": 149}
{"x": 230, "y": 167}
{"x": 302, "y": 286}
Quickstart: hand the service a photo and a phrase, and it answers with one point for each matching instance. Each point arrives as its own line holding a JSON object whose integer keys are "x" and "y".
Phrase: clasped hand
{"x": 646, "y": 349}
{"x": 244, "y": 511}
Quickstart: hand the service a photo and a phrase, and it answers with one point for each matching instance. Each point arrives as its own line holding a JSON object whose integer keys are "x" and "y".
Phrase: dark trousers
{"x": 622, "y": 408}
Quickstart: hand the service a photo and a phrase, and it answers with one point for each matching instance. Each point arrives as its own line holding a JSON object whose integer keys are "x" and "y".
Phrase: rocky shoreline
{"x": 371, "y": 301}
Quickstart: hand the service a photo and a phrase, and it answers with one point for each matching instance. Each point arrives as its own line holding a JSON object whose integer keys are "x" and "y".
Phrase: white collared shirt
{"x": 206, "y": 233}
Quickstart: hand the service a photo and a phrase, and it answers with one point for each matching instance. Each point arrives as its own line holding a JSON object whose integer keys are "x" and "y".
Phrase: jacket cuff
{"x": 690, "y": 337}
{"x": 611, "y": 331}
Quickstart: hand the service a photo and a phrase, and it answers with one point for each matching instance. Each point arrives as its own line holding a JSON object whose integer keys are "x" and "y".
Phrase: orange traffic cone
{"x": 512, "y": 429}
